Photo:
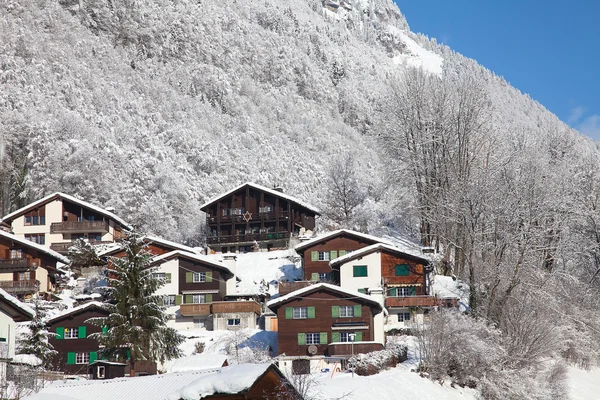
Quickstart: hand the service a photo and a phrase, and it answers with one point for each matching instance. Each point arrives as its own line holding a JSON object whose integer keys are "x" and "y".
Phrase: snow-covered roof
{"x": 298, "y": 293}
{"x": 150, "y": 239}
{"x": 339, "y": 232}
{"x": 173, "y": 386}
{"x": 266, "y": 190}
{"x": 376, "y": 247}
{"x": 16, "y": 304}
{"x": 191, "y": 256}
{"x": 196, "y": 362}
{"x": 33, "y": 245}
{"x": 91, "y": 304}
{"x": 28, "y": 359}
{"x": 72, "y": 199}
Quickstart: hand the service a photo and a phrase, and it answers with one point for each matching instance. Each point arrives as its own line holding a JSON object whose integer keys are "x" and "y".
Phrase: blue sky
{"x": 549, "y": 49}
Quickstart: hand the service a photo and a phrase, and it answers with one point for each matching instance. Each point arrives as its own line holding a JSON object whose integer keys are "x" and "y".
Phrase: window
{"x": 38, "y": 238}
{"x": 265, "y": 209}
{"x": 36, "y": 217}
{"x": 323, "y": 256}
{"x": 72, "y": 333}
{"x": 199, "y": 277}
{"x": 198, "y": 299}
{"x": 16, "y": 254}
{"x": 346, "y": 311}
{"x": 236, "y": 211}
{"x": 363, "y": 291}
{"x": 324, "y": 276}
{"x": 402, "y": 270}
{"x": 25, "y": 276}
{"x": 169, "y": 300}
{"x": 403, "y": 291}
{"x": 95, "y": 237}
{"x": 313, "y": 338}
{"x": 233, "y": 322}
{"x": 359, "y": 270}
{"x": 403, "y": 316}
{"x": 158, "y": 275}
{"x": 300, "y": 312}
{"x": 100, "y": 372}
{"x": 345, "y": 337}
{"x": 82, "y": 358}
{"x": 198, "y": 323}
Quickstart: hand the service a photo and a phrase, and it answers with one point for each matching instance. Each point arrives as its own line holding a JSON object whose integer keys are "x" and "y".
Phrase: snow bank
{"x": 28, "y": 359}
{"x": 417, "y": 56}
{"x": 584, "y": 385}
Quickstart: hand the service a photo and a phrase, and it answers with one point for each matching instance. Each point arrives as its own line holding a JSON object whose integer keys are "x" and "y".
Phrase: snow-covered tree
{"x": 135, "y": 329}
{"x": 36, "y": 340}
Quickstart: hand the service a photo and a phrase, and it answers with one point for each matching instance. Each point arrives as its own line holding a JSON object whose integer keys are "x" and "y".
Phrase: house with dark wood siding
{"x": 252, "y": 213}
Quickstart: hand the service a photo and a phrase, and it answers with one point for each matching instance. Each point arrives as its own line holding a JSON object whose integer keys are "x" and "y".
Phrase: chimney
{"x": 230, "y": 260}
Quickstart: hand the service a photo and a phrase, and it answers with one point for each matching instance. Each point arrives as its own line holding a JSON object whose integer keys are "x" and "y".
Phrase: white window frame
{"x": 402, "y": 316}
{"x": 197, "y": 297}
{"x": 346, "y": 311}
{"x": 403, "y": 292}
{"x": 345, "y": 337}
{"x": 169, "y": 300}
{"x": 313, "y": 338}
{"x": 82, "y": 358}
{"x": 300, "y": 312}
{"x": 101, "y": 372}
{"x": 199, "y": 277}
{"x": 236, "y": 322}
{"x": 324, "y": 256}
{"x": 71, "y": 333}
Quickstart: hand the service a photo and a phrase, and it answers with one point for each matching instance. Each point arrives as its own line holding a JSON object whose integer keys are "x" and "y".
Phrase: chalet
{"x": 236, "y": 382}
{"x": 324, "y": 320}
{"x": 56, "y": 220}
{"x": 27, "y": 267}
{"x": 156, "y": 246}
{"x": 250, "y": 214}
{"x": 397, "y": 277}
{"x": 11, "y": 311}
{"x": 316, "y": 253}
{"x": 72, "y": 342}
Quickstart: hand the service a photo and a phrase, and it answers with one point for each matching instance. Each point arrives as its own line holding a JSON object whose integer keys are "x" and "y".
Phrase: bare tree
{"x": 344, "y": 192}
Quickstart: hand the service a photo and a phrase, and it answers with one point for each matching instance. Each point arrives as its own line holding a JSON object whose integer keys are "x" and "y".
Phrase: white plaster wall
{"x": 53, "y": 214}
{"x": 247, "y": 320}
{"x": 378, "y": 331}
{"x": 7, "y": 330}
{"x": 169, "y": 267}
{"x": 373, "y": 278}
{"x": 42, "y": 275}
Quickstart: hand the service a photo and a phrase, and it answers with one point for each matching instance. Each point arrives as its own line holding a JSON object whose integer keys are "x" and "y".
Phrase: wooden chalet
{"x": 154, "y": 245}
{"x": 27, "y": 267}
{"x": 250, "y": 214}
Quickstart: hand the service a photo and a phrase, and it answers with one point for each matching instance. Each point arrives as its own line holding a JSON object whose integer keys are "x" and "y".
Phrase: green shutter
{"x": 357, "y": 311}
{"x": 335, "y": 337}
{"x": 413, "y": 290}
{"x": 168, "y": 277}
{"x": 128, "y": 354}
{"x": 359, "y": 271}
{"x": 323, "y": 338}
{"x": 311, "y": 312}
{"x": 335, "y": 311}
{"x": 70, "y": 358}
{"x": 393, "y": 292}
{"x": 363, "y": 291}
{"x": 81, "y": 332}
{"x": 208, "y": 298}
{"x": 189, "y": 299}
{"x": 289, "y": 313}
{"x": 189, "y": 277}
{"x": 60, "y": 332}
{"x": 333, "y": 254}
{"x": 208, "y": 277}
{"x": 93, "y": 356}
{"x": 302, "y": 339}
{"x": 178, "y": 300}
{"x": 358, "y": 336}
{"x": 314, "y": 256}
{"x": 314, "y": 276}
{"x": 104, "y": 330}
{"x": 342, "y": 253}
{"x": 402, "y": 270}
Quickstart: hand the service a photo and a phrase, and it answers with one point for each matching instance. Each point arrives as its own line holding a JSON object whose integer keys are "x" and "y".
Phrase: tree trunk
{"x": 131, "y": 367}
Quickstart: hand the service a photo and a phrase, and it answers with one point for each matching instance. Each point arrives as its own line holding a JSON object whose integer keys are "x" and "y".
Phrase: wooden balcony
{"x": 289, "y": 287}
{"x": 411, "y": 301}
{"x": 265, "y": 216}
{"x": 220, "y": 307}
{"x": 79, "y": 226}
{"x": 192, "y": 310}
{"x": 249, "y": 238}
{"x": 20, "y": 287}
{"x": 345, "y": 349}
{"x": 14, "y": 264}
{"x": 63, "y": 247}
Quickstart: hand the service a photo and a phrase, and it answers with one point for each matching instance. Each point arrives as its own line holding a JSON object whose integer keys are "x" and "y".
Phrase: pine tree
{"x": 135, "y": 328}
{"x": 36, "y": 340}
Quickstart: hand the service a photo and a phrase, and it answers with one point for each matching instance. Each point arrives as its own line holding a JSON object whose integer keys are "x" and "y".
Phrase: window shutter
{"x": 208, "y": 298}
{"x": 71, "y": 357}
{"x": 128, "y": 354}
{"x": 333, "y": 254}
{"x": 311, "y": 312}
{"x": 314, "y": 256}
{"x": 335, "y": 311}
{"x": 189, "y": 299}
{"x": 104, "y": 330}
{"x": 178, "y": 300}
{"x": 402, "y": 270}
{"x": 168, "y": 277}
{"x": 189, "y": 277}
{"x": 323, "y": 338}
{"x": 60, "y": 332}
{"x": 289, "y": 313}
{"x": 93, "y": 356}
{"x": 358, "y": 336}
{"x": 363, "y": 291}
{"x": 314, "y": 276}
{"x": 342, "y": 253}
{"x": 335, "y": 337}
{"x": 357, "y": 311}
{"x": 81, "y": 332}
{"x": 413, "y": 290}
{"x": 394, "y": 292}
{"x": 302, "y": 339}
{"x": 208, "y": 277}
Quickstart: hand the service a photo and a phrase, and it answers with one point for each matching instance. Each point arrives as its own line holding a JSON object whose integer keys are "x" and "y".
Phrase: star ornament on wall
{"x": 247, "y": 216}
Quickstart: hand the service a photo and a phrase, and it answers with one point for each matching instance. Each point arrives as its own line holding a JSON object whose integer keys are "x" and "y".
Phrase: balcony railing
{"x": 30, "y": 286}
{"x": 248, "y": 238}
{"x": 345, "y": 349}
{"x": 235, "y": 307}
{"x": 79, "y": 226}
{"x": 264, "y": 216}
{"x": 14, "y": 264}
{"x": 63, "y": 247}
{"x": 191, "y": 310}
{"x": 411, "y": 301}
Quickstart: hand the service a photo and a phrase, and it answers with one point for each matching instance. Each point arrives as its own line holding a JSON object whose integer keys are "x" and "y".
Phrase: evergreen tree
{"x": 36, "y": 340}
{"x": 135, "y": 328}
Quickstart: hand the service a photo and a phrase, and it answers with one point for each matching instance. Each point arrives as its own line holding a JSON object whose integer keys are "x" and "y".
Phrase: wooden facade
{"x": 323, "y": 317}
{"x": 253, "y": 213}
{"x": 214, "y": 280}
{"x": 411, "y": 276}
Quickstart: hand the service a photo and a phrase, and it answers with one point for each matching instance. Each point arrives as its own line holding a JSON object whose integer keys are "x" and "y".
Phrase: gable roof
{"x": 35, "y": 246}
{"x": 84, "y": 307}
{"x": 266, "y": 190}
{"x": 190, "y": 256}
{"x": 14, "y": 308}
{"x": 340, "y": 232}
{"x": 349, "y": 294}
{"x": 377, "y": 247}
{"x": 149, "y": 239}
{"x": 59, "y": 195}
{"x": 173, "y": 386}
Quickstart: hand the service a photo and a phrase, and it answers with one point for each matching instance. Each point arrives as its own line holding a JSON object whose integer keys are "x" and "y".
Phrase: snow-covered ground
{"x": 417, "y": 56}
{"x": 584, "y": 385}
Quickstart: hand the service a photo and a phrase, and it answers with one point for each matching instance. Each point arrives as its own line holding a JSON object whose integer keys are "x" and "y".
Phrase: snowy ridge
{"x": 193, "y": 256}
{"x": 16, "y": 303}
{"x": 332, "y": 234}
{"x": 76, "y": 309}
{"x": 417, "y": 56}
{"x": 372, "y": 248}
{"x": 36, "y": 246}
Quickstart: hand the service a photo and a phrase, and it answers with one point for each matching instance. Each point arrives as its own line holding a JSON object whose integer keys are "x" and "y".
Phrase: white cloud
{"x": 576, "y": 114}
{"x": 590, "y": 126}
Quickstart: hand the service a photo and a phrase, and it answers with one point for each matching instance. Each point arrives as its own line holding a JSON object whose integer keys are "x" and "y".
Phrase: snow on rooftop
{"x": 28, "y": 359}
{"x": 193, "y": 256}
{"x": 272, "y": 192}
{"x": 38, "y": 247}
{"x": 16, "y": 303}
{"x": 196, "y": 362}
{"x": 170, "y": 243}
{"x": 417, "y": 56}
{"x": 317, "y": 286}
{"x": 376, "y": 247}
{"x": 76, "y": 309}
{"x": 333, "y": 234}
